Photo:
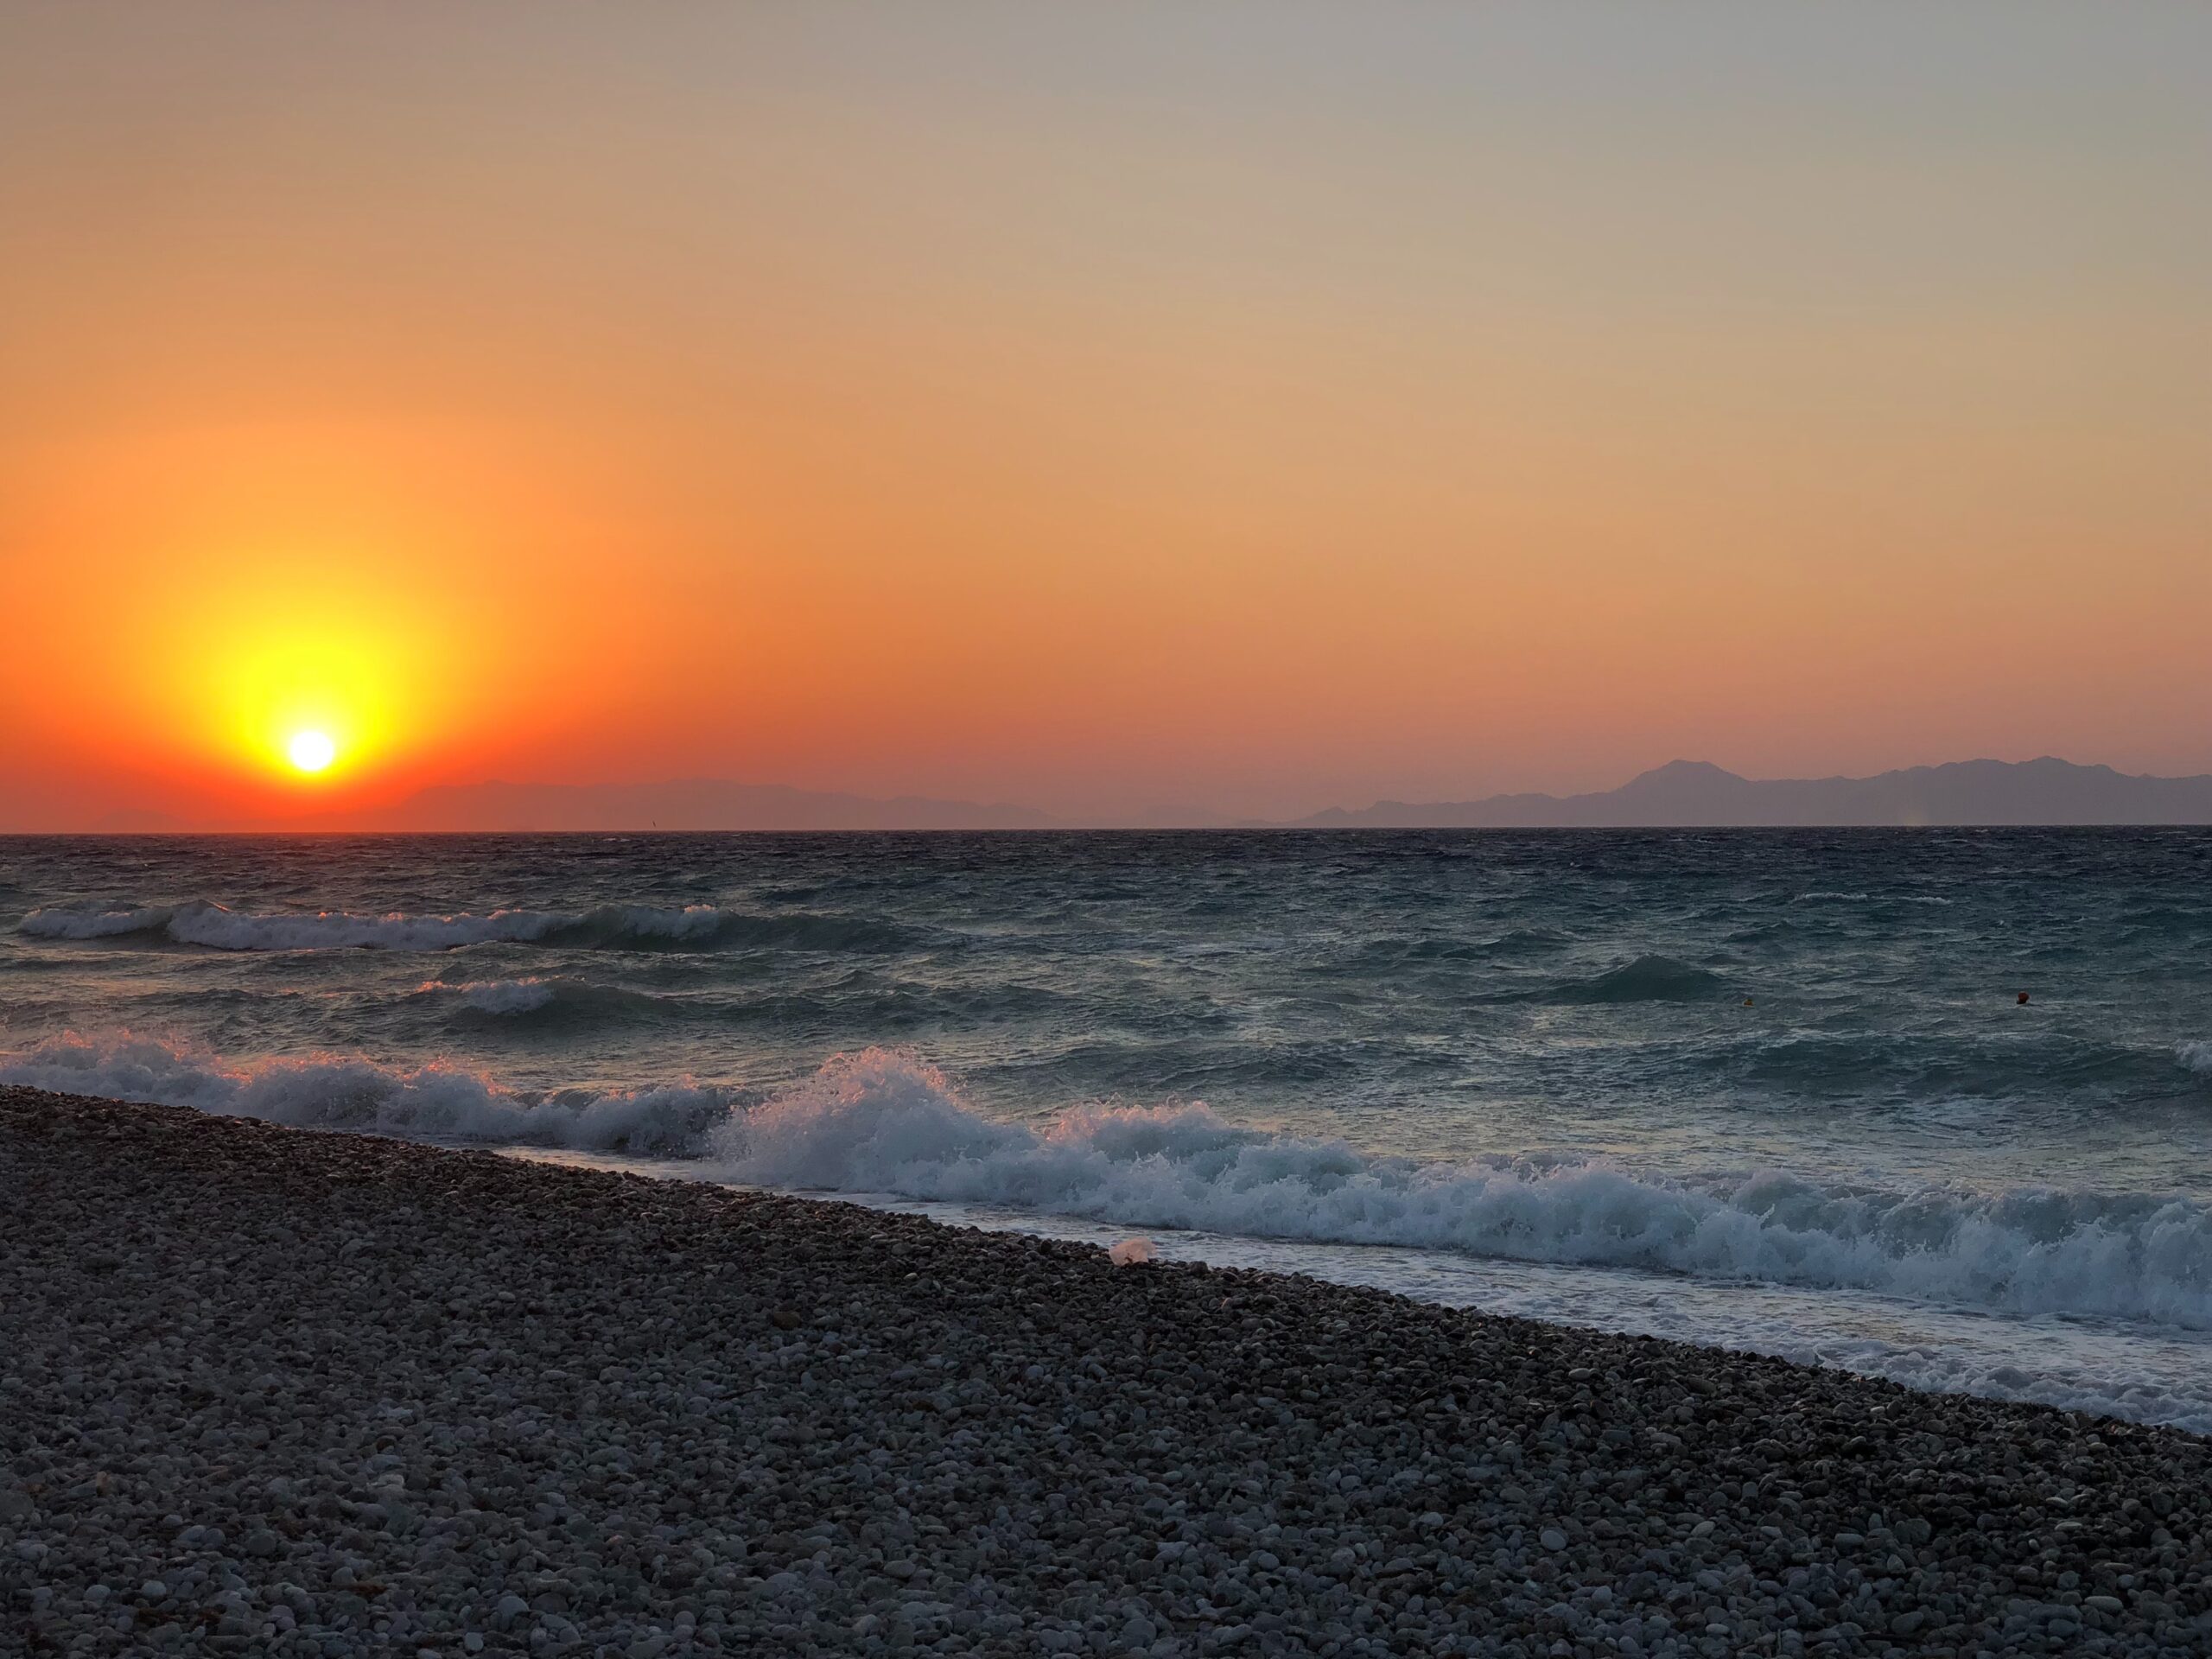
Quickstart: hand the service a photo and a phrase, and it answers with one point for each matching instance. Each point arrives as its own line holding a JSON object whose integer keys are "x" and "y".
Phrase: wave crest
{"x": 885, "y": 1122}
{"x": 568, "y": 999}
{"x": 435, "y": 1101}
{"x": 66, "y": 924}
{"x": 608, "y": 927}
{"x": 511, "y": 995}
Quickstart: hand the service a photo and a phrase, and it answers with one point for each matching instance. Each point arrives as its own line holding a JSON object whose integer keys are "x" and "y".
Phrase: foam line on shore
{"x": 884, "y": 1122}
{"x": 881, "y": 1122}
{"x": 322, "y": 1394}
{"x": 429, "y": 1102}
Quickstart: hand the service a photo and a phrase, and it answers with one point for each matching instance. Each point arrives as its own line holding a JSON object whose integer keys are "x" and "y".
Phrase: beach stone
{"x": 448, "y": 1402}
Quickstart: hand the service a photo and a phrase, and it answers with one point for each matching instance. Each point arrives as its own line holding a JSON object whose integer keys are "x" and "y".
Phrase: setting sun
{"x": 312, "y": 751}
{"x": 1568, "y": 640}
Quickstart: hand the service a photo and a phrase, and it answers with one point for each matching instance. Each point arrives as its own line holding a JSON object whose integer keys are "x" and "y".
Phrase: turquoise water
{"x": 1772, "y": 1089}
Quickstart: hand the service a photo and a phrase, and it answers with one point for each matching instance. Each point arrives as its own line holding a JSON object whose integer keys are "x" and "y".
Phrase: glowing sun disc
{"x": 312, "y": 751}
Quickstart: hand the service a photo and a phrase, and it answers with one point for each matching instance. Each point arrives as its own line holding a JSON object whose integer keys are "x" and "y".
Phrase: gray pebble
{"x": 344, "y": 1395}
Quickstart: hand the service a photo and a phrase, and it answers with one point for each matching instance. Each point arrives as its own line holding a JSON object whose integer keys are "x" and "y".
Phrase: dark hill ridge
{"x": 1695, "y": 794}
{"x": 1682, "y": 793}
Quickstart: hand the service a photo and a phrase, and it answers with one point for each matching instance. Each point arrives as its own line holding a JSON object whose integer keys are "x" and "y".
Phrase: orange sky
{"x": 1111, "y": 407}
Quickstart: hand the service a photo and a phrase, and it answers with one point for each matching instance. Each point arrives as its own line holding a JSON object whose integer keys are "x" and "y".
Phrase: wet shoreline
{"x": 332, "y": 1394}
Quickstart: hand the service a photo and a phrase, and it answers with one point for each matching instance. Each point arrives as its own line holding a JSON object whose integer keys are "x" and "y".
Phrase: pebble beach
{"x": 267, "y": 1390}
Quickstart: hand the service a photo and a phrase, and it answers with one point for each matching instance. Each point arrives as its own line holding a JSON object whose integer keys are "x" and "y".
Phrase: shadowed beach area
{"x": 264, "y": 1390}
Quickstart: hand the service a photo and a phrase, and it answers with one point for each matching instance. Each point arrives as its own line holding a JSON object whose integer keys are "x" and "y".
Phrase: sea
{"x": 1932, "y": 1105}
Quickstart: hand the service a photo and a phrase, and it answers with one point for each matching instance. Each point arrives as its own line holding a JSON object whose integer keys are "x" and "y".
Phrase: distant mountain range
{"x": 690, "y": 804}
{"x": 1694, "y": 794}
{"x": 1684, "y": 794}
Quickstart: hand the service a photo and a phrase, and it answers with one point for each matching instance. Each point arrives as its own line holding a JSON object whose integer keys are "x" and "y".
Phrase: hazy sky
{"x": 1104, "y": 406}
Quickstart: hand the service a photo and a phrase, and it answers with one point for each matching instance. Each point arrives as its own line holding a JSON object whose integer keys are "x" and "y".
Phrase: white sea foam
{"x": 884, "y": 1122}
{"x": 61, "y": 923}
{"x": 434, "y": 1101}
{"x": 2151, "y": 1374}
{"x": 2196, "y": 1057}
{"x": 497, "y": 995}
{"x": 880, "y": 1121}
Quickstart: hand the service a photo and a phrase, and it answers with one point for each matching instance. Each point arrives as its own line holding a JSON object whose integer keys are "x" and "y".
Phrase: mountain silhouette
{"x": 1696, "y": 793}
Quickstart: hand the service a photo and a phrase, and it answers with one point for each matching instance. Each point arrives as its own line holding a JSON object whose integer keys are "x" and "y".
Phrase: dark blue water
{"x": 1763, "y": 1064}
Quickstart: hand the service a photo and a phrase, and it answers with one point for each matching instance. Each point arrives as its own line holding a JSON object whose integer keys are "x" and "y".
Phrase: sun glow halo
{"x": 311, "y": 751}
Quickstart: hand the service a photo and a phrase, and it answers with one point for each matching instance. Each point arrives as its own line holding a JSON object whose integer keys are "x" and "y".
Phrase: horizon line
{"x": 360, "y": 822}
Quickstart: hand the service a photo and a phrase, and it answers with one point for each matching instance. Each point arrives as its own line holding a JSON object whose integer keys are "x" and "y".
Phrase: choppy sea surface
{"x": 1765, "y": 1089}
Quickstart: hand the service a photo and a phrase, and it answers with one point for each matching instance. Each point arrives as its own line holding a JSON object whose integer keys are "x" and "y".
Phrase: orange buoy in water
{"x": 2023, "y": 997}
{"x": 1747, "y": 1001}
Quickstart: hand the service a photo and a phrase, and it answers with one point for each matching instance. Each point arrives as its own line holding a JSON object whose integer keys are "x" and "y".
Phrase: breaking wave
{"x": 883, "y": 1121}
{"x": 93, "y": 924}
{"x": 429, "y": 1102}
{"x": 610, "y": 927}
{"x": 569, "y": 999}
{"x": 503, "y": 995}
